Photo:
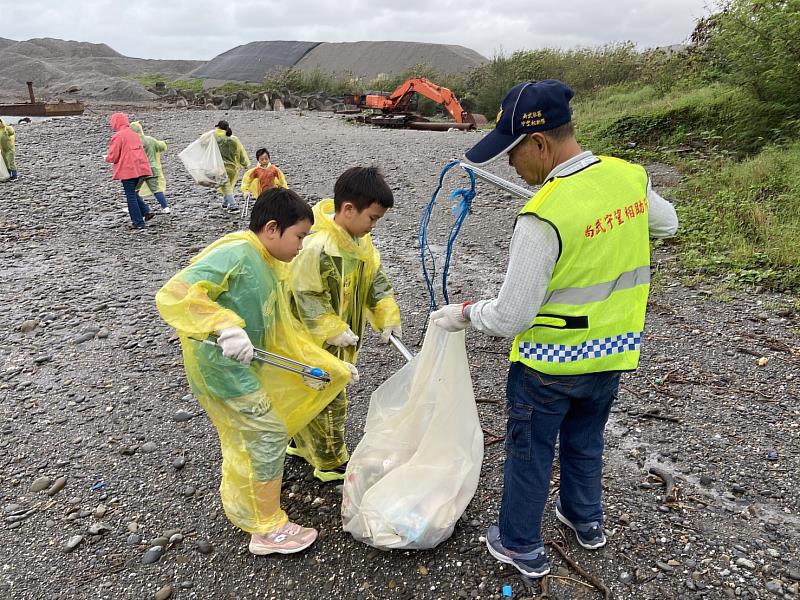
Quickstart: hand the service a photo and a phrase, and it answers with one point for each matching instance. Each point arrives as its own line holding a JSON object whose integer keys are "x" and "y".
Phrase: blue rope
{"x": 460, "y": 210}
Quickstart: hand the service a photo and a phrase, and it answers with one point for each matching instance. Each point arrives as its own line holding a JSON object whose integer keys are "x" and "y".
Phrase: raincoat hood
{"x": 324, "y": 211}
{"x": 118, "y": 121}
{"x": 137, "y": 127}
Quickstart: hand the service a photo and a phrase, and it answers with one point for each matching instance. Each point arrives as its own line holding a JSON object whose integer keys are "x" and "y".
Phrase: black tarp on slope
{"x": 368, "y": 59}
{"x": 251, "y": 62}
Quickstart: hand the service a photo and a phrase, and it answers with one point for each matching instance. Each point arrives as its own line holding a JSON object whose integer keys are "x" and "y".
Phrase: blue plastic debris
{"x": 772, "y": 455}
{"x": 507, "y": 593}
{"x": 100, "y": 485}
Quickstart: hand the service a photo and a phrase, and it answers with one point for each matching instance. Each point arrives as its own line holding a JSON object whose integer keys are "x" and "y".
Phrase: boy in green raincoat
{"x": 235, "y": 158}
{"x": 156, "y": 184}
{"x": 338, "y": 284}
{"x": 235, "y": 290}
{"x": 8, "y": 142}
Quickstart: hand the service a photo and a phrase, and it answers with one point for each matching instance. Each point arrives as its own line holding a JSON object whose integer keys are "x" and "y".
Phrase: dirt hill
{"x": 98, "y": 71}
{"x": 61, "y": 68}
{"x": 251, "y": 62}
{"x": 369, "y": 59}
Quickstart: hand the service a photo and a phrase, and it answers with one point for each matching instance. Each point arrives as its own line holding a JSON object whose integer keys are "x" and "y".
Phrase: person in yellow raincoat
{"x": 156, "y": 184}
{"x": 235, "y": 290}
{"x": 338, "y": 284}
{"x": 263, "y": 176}
{"x": 8, "y": 142}
{"x": 235, "y": 159}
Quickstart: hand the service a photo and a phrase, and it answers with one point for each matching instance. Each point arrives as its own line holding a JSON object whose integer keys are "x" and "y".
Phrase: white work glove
{"x": 235, "y": 344}
{"x": 450, "y": 318}
{"x": 391, "y": 330}
{"x": 354, "y": 376}
{"x": 346, "y": 338}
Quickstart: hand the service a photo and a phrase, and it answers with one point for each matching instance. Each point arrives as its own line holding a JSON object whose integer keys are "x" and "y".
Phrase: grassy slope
{"x": 740, "y": 217}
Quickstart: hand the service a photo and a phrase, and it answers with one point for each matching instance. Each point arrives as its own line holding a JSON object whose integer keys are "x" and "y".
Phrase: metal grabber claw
{"x": 401, "y": 347}
{"x": 312, "y": 376}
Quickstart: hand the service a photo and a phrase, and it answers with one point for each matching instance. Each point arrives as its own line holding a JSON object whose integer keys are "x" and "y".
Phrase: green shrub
{"x": 755, "y": 44}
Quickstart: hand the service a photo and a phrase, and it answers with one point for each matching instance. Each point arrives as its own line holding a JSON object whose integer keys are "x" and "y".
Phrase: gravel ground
{"x": 103, "y": 450}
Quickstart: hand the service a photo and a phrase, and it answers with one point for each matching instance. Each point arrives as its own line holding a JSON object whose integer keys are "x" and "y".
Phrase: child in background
{"x": 235, "y": 290}
{"x": 235, "y": 159}
{"x": 129, "y": 163}
{"x": 338, "y": 284}
{"x": 156, "y": 184}
{"x": 8, "y": 143}
{"x": 262, "y": 177}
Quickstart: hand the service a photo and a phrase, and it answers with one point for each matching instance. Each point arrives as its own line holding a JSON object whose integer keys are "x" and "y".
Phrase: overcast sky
{"x": 201, "y": 29}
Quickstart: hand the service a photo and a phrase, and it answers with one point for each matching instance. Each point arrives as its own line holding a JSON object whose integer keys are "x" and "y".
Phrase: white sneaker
{"x": 288, "y": 539}
{"x": 166, "y": 210}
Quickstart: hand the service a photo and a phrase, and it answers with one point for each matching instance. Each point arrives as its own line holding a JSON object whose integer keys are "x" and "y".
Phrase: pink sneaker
{"x": 290, "y": 538}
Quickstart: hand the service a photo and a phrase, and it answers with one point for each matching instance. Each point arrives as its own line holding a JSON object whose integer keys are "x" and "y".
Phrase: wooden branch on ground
{"x": 486, "y": 401}
{"x": 545, "y": 584}
{"x": 597, "y": 583}
{"x": 655, "y": 415}
{"x": 668, "y": 375}
{"x": 670, "y": 489}
{"x": 630, "y": 391}
{"x": 493, "y": 437}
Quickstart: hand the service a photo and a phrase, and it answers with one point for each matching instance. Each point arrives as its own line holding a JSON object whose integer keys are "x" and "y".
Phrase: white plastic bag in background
{"x": 4, "y": 174}
{"x": 417, "y": 467}
{"x": 203, "y": 160}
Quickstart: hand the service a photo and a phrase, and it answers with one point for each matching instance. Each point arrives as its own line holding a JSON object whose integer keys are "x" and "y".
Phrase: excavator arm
{"x": 425, "y": 87}
{"x": 400, "y": 98}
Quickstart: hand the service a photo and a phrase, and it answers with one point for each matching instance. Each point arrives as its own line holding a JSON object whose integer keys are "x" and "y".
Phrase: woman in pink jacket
{"x": 126, "y": 154}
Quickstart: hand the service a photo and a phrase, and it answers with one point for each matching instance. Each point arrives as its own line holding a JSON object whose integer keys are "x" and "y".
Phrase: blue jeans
{"x": 137, "y": 207}
{"x": 541, "y": 408}
{"x": 162, "y": 200}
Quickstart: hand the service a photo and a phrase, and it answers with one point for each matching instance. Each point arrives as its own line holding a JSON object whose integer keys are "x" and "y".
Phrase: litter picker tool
{"x": 401, "y": 347}
{"x": 246, "y": 200}
{"x": 504, "y": 184}
{"x": 281, "y": 362}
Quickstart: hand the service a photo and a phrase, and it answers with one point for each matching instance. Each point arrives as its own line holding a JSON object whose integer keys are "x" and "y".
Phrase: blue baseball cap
{"x": 529, "y": 107}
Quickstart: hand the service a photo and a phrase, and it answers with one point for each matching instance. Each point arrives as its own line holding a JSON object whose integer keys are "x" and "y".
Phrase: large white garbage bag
{"x": 203, "y": 160}
{"x": 4, "y": 174}
{"x": 417, "y": 467}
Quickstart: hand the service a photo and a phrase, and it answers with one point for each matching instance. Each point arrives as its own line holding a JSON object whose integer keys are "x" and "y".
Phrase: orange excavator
{"x": 396, "y": 106}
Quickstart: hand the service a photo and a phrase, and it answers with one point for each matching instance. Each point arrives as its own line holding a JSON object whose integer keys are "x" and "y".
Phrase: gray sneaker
{"x": 531, "y": 564}
{"x": 589, "y": 535}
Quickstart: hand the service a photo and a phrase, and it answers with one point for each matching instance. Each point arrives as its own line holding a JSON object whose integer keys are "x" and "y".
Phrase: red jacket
{"x": 126, "y": 151}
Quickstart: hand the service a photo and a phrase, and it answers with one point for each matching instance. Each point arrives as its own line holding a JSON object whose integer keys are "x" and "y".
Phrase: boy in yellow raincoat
{"x": 338, "y": 284}
{"x": 235, "y": 290}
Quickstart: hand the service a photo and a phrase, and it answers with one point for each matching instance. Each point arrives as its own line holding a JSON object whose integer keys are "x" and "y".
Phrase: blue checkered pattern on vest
{"x": 588, "y": 349}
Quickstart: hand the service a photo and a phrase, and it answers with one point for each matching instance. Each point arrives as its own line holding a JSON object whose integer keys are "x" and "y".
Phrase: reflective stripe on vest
{"x": 592, "y": 315}
{"x": 601, "y": 291}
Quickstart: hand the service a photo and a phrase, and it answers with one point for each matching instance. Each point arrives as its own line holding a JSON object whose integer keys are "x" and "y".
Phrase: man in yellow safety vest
{"x": 574, "y": 300}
